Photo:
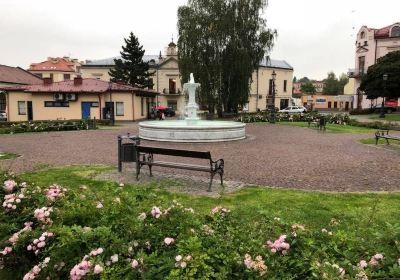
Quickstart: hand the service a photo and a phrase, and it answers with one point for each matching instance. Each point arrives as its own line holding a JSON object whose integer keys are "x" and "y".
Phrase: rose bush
{"x": 59, "y": 232}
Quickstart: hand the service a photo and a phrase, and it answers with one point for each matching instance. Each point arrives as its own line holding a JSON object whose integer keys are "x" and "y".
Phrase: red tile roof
{"x": 87, "y": 86}
{"x": 17, "y": 75}
{"x": 385, "y": 31}
{"x": 53, "y": 64}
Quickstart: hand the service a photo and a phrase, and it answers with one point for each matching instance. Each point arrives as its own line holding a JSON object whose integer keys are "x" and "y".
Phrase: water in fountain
{"x": 191, "y": 129}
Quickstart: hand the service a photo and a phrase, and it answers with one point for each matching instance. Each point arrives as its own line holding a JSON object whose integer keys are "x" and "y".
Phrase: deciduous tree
{"x": 374, "y": 85}
{"x": 222, "y": 43}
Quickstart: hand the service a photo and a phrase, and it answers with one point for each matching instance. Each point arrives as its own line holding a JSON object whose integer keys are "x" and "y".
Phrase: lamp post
{"x": 385, "y": 78}
{"x": 273, "y": 115}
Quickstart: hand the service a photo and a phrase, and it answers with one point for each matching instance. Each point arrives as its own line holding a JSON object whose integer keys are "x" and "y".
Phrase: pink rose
{"x": 98, "y": 269}
{"x": 9, "y": 186}
{"x": 156, "y": 212}
{"x": 135, "y": 264}
{"x": 168, "y": 241}
{"x": 178, "y": 258}
{"x": 363, "y": 264}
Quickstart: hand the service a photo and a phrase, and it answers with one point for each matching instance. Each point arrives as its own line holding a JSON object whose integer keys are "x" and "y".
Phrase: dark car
{"x": 169, "y": 112}
{"x": 388, "y": 109}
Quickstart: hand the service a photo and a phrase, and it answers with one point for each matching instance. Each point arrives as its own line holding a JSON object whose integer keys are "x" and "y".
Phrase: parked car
{"x": 294, "y": 109}
{"x": 157, "y": 111}
{"x": 387, "y": 108}
{"x": 3, "y": 115}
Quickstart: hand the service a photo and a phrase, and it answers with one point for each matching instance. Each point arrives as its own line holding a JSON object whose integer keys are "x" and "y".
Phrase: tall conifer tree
{"x": 131, "y": 69}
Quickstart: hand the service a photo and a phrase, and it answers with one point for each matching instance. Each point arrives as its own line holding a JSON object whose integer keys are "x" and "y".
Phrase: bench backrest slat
{"x": 173, "y": 152}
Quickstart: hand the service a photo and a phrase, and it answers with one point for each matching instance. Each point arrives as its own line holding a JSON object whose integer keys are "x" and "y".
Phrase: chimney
{"x": 78, "y": 81}
{"x": 47, "y": 81}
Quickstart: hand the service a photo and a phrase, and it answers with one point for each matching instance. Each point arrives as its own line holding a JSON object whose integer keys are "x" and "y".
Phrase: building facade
{"x": 57, "y": 68}
{"x": 167, "y": 80}
{"x": 78, "y": 99}
{"x": 11, "y": 77}
{"x": 371, "y": 44}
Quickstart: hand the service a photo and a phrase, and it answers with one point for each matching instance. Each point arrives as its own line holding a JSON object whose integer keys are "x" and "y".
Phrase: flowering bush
{"x": 40, "y": 126}
{"x": 58, "y": 232}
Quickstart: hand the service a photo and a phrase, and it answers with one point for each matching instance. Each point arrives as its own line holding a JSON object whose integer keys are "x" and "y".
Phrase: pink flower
{"x": 178, "y": 258}
{"x": 7, "y": 250}
{"x": 156, "y": 212}
{"x": 373, "y": 262}
{"x": 99, "y": 205}
{"x": 362, "y": 264}
{"x": 378, "y": 257}
{"x": 114, "y": 258}
{"x": 98, "y": 269}
{"x": 168, "y": 241}
{"x": 135, "y": 264}
{"x": 9, "y": 186}
{"x": 41, "y": 244}
{"x": 183, "y": 264}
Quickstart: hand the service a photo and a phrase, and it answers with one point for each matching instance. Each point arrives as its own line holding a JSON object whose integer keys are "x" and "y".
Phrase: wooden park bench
{"x": 385, "y": 135}
{"x": 145, "y": 156}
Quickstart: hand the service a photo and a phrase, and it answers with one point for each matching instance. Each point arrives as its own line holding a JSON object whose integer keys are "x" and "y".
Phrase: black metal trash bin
{"x": 127, "y": 151}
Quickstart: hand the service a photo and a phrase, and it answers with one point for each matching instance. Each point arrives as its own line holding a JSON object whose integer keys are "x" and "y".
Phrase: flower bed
{"x": 41, "y": 126}
{"x": 61, "y": 232}
{"x": 340, "y": 119}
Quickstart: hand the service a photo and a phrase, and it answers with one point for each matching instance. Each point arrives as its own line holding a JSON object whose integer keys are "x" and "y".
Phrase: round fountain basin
{"x": 192, "y": 131}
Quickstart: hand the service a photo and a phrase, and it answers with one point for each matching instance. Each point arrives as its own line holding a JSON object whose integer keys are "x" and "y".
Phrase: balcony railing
{"x": 356, "y": 73}
{"x": 176, "y": 92}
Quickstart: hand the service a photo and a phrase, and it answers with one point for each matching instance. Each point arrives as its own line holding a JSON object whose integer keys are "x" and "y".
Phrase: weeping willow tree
{"x": 222, "y": 42}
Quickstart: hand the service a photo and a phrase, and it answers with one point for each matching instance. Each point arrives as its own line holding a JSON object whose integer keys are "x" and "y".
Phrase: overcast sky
{"x": 315, "y": 36}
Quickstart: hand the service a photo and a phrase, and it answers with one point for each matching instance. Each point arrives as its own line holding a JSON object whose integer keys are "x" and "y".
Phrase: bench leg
{"x": 376, "y": 140}
{"x": 151, "y": 174}
{"x": 387, "y": 141}
{"x": 211, "y": 180}
{"x": 221, "y": 175}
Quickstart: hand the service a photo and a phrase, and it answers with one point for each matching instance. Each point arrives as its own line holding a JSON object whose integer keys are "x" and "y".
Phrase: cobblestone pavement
{"x": 277, "y": 156}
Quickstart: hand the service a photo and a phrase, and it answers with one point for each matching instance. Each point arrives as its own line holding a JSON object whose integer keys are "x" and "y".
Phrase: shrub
{"x": 62, "y": 233}
{"x": 41, "y": 126}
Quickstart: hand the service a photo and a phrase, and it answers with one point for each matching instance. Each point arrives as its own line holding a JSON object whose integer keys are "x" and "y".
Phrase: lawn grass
{"x": 334, "y": 128}
{"x": 315, "y": 209}
{"x": 5, "y": 155}
{"x": 371, "y": 141}
{"x": 388, "y": 117}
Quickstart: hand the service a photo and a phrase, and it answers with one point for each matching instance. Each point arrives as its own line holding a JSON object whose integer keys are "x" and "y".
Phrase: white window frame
{"x": 21, "y": 109}
{"x": 119, "y": 111}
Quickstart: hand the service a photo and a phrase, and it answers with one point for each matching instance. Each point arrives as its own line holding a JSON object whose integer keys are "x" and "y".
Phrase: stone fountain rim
{"x": 225, "y": 125}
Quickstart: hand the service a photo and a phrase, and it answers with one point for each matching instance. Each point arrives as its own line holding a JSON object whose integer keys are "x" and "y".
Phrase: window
{"x": 51, "y": 76}
{"x": 270, "y": 87}
{"x": 172, "y": 86}
{"x": 142, "y": 106}
{"x": 151, "y": 83}
{"x": 172, "y": 104}
{"x": 285, "y": 85}
{"x": 67, "y": 77}
{"x": 21, "y": 108}
{"x": 362, "y": 35}
{"x": 395, "y": 31}
{"x": 56, "y": 104}
{"x": 365, "y": 43}
{"x": 361, "y": 64}
{"x": 2, "y": 101}
{"x": 329, "y": 104}
{"x": 120, "y": 108}
{"x": 335, "y": 105}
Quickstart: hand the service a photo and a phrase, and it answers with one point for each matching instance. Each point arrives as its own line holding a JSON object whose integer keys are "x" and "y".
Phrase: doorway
{"x": 30, "y": 110}
{"x": 86, "y": 110}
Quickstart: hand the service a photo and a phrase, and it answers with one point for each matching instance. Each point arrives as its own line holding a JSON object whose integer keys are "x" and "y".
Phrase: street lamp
{"x": 385, "y": 78}
{"x": 273, "y": 116}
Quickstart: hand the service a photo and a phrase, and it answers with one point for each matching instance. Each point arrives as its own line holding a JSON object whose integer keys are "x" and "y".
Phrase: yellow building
{"x": 78, "y": 99}
{"x": 57, "y": 68}
{"x": 14, "y": 76}
{"x": 167, "y": 80}
{"x": 328, "y": 102}
{"x": 261, "y": 92}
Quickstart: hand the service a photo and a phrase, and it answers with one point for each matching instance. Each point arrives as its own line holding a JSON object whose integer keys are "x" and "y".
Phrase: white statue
{"x": 191, "y": 78}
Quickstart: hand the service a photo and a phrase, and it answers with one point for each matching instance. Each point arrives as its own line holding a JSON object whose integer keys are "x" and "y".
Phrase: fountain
{"x": 192, "y": 128}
